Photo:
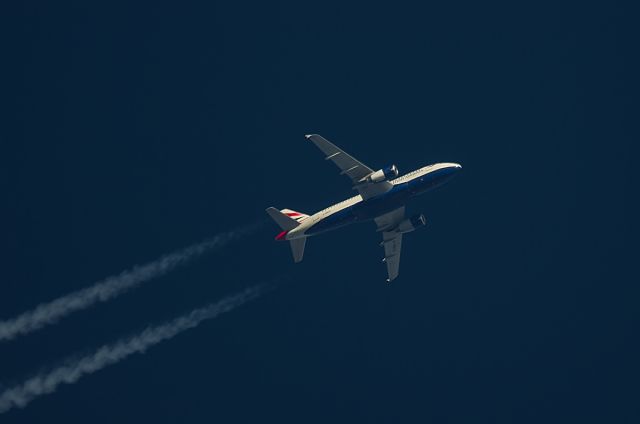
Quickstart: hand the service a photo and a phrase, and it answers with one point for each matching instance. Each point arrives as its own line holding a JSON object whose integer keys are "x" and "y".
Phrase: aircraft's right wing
{"x": 351, "y": 167}
{"x": 391, "y": 240}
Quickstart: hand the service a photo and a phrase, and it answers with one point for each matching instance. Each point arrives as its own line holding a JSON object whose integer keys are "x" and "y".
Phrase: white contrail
{"x": 47, "y": 382}
{"x": 110, "y": 287}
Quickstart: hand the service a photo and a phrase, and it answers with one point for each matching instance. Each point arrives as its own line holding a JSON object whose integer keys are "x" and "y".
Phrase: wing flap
{"x": 392, "y": 247}
{"x": 391, "y": 240}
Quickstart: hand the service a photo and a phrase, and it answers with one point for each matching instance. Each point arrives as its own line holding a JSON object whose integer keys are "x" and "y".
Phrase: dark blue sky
{"x": 132, "y": 130}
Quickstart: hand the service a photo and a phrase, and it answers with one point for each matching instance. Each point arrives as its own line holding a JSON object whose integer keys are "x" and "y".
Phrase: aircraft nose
{"x": 453, "y": 170}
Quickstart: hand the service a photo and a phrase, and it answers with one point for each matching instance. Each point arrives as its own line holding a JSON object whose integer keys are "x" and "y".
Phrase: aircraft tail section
{"x": 298, "y": 216}
{"x": 285, "y": 221}
{"x": 288, "y": 219}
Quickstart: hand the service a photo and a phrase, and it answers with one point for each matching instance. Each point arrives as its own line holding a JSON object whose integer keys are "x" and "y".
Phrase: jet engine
{"x": 412, "y": 224}
{"x": 383, "y": 174}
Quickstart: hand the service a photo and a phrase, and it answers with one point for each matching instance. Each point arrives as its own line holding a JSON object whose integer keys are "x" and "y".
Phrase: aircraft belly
{"x": 364, "y": 211}
{"x": 431, "y": 180}
{"x": 331, "y": 222}
{"x": 380, "y": 205}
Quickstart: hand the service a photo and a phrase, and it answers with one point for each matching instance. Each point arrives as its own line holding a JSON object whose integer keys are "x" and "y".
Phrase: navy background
{"x": 133, "y": 130}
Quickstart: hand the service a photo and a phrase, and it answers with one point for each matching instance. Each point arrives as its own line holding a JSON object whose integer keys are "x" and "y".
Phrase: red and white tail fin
{"x": 298, "y": 216}
{"x": 288, "y": 220}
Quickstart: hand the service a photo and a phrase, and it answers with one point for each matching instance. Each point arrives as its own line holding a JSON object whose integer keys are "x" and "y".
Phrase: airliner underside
{"x": 382, "y": 198}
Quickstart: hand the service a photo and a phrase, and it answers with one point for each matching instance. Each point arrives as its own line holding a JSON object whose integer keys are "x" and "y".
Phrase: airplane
{"x": 382, "y": 198}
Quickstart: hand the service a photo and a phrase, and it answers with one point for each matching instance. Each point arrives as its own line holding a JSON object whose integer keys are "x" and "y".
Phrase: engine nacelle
{"x": 412, "y": 224}
{"x": 383, "y": 174}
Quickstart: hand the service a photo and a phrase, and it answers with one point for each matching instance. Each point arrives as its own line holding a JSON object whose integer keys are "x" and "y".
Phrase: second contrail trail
{"x": 50, "y": 312}
{"x": 20, "y": 395}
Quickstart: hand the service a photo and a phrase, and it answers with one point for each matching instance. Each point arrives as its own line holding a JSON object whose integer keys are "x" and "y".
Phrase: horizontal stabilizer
{"x": 284, "y": 221}
{"x": 297, "y": 248}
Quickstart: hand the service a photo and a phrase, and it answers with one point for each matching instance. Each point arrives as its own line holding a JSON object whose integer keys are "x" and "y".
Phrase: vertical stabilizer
{"x": 298, "y": 216}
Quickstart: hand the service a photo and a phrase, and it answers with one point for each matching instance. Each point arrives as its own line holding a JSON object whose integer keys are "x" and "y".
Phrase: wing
{"x": 391, "y": 240}
{"x": 351, "y": 167}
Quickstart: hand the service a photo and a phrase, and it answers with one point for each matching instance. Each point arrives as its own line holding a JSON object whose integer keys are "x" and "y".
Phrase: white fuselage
{"x": 349, "y": 210}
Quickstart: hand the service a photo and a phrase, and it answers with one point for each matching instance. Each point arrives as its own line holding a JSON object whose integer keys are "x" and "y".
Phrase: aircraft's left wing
{"x": 351, "y": 167}
{"x": 391, "y": 240}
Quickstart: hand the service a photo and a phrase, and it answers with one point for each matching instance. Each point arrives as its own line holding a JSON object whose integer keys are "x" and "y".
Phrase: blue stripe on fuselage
{"x": 369, "y": 209}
